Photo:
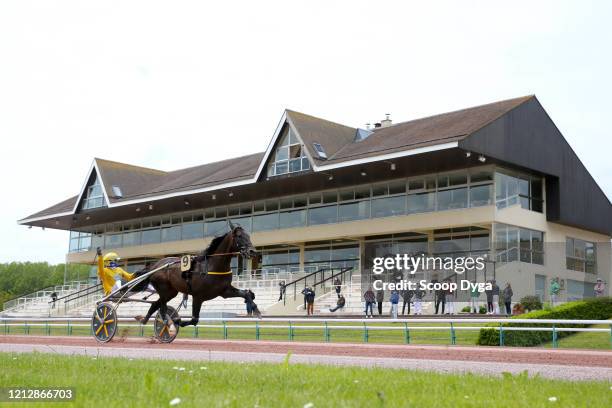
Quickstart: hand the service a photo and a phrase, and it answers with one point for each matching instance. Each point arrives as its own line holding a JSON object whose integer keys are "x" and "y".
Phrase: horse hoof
{"x": 172, "y": 329}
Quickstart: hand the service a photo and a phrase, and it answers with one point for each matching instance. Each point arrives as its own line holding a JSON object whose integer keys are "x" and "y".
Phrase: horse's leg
{"x": 195, "y": 313}
{"x": 154, "y": 306}
{"x": 231, "y": 292}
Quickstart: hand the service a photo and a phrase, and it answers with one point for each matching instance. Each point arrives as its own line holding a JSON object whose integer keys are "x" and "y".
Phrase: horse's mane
{"x": 214, "y": 244}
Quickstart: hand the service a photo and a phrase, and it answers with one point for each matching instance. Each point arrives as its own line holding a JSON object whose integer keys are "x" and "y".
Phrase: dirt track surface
{"x": 560, "y": 364}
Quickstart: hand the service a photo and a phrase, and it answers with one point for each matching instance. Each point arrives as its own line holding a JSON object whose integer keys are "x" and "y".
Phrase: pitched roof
{"x": 338, "y": 141}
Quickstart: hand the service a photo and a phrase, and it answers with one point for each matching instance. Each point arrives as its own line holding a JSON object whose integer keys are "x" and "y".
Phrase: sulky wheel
{"x": 163, "y": 330}
{"x": 104, "y": 322}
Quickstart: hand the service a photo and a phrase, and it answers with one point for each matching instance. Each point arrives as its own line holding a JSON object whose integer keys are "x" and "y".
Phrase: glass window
{"x": 113, "y": 241}
{"x": 152, "y": 236}
{"x": 452, "y": 199}
{"x": 214, "y": 228}
{"x": 422, "y": 202}
{"x": 265, "y": 222}
{"x": 480, "y": 195}
{"x": 581, "y": 255}
{"x": 291, "y": 219}
{"x": 131, "y": 238}
{"x": 289, "y": 156}
{"x": 385, "y": 207}
{"x": 322, "y": 215}
{"x": 353, "y": 211}
{"x": 94, "y": 196}
{"x": 193, "y": 230}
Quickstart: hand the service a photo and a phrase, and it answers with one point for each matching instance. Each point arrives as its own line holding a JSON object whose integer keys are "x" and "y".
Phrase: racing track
{"x": 565, "y": 364}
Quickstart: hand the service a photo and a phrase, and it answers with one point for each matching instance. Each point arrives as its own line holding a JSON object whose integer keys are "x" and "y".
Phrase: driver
{"x": 110, "y": 273}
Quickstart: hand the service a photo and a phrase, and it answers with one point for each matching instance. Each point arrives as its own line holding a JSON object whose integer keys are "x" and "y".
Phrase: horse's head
{"x": 242, "y": 242}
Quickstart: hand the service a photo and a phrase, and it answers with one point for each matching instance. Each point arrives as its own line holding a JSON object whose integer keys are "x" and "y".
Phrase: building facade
{"x": 497, "y": 181}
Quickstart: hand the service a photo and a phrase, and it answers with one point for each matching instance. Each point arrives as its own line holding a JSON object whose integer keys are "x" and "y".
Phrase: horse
{"x": 214, "y": 280}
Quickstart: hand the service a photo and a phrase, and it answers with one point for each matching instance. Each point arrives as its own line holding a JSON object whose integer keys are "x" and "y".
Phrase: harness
{"x": 200, "y": 261}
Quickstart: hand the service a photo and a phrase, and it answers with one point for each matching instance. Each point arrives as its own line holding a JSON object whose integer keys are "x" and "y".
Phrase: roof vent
{"x": 320, "y": 152}
{"x": 386, "y": 121}
{"x": 117, "y": 193}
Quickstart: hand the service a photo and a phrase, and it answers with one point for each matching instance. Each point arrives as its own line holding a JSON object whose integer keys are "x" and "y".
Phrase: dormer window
{"x": 289, "y": 155}
{"x": 94, "y": 198}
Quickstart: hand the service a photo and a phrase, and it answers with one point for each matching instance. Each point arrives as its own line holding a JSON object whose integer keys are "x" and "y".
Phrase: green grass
{"x": 586, "y": 340}
{"x": 115, "y": 382}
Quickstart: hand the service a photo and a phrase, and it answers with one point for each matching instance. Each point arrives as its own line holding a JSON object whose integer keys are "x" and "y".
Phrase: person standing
{"x": 310, "y": 298}
{"x": 305, "y": 293}
{"x": 474, "y": 295}
{"x": 406, "y": 297}
{"x": 600, "y": 288}
{"x": 369, "y": 298}
{"x": 489, "y": 293}
{"x": 394, "y": 299}
{"x": 380, "y": 298}
{"x": 450, "y": 299}
{"x": 555, "y": 288}
{"x": 338, "y": 284}
{"x": 507, "y": 296}
{"x": 418, "y": 297}
{"x": 495, "y": 298}
{"x": 282, "y": 289}
{"x": 249, "y": 305}
{"x": 440, "y": 299}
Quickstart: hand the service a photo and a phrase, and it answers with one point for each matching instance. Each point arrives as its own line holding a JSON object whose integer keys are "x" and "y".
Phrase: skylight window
{"x": 117, "y": 192}
{"x": 319, "y": 149}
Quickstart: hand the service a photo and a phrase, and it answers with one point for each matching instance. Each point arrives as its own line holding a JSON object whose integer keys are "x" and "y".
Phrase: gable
{"x": 93, "y": 196}
{"x": 288, "y": 155}
{"x": 527, "y": 137}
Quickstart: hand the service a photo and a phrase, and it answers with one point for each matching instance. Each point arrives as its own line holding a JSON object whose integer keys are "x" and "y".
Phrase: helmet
{"x": 110, "y": 259}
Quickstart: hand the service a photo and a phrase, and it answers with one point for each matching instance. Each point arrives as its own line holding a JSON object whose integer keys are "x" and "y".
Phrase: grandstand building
{"x": 497, "y": 179}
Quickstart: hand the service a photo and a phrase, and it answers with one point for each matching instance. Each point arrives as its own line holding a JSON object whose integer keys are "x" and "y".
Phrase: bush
{"x": 530, "y": 303}
{"x": 481, "y": 309}
{"x": 589, "y": 309}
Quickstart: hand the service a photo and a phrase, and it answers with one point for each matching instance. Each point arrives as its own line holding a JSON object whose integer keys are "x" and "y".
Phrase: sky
{"x": 169, "y": 84}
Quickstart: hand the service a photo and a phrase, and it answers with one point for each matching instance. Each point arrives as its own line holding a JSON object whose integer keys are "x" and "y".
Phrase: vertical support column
{"x": 195, "y": 332}
{"x": 326, "y": 333}
{"x": 290, "y": 331}
{"x": 224, "y": 330}
{"x": 256, "y": 330}
{"x": 453, "y": 335}
{"x": 301, "y": 246}
{"x": 365, "y": 332}
{"x": 501, "y": 334}
{"x": 554, "y": 336}
{"x": 406, "y": 333}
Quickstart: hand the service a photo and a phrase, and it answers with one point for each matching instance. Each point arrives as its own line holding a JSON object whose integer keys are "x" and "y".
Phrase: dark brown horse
{"x": 215, "y": 278}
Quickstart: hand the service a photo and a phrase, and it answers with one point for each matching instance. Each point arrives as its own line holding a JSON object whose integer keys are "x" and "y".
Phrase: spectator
{"x": 339, "y": 304}
{"x": 53, "y": 299}
{"x": 310, "y": 297}
{"x": 489, "y": 293}
{"x": 507, "y": 295}
{"x": 249, "y": 305}
{"x": 394, "y": 303}
{"x": 474, "y": 295}
{"x": 283, "y": 289}
{"x": 418, "y": 297}
{"x": 555, "y": 288}
{"x": 338, "y": 283}
{"x": 440, "y": 296}
{"x": 305, "y": 293}
{"x": 450, "y": 299}
{"x": 495, "y": 298}
{"x": 380, "y": 298}
{"x": 369, "y": 298}
{"x": 600, "y": 288}
{"x": 407, "y": 297}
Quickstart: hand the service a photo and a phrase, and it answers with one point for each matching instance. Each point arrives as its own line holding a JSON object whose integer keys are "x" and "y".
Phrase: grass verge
{"x": 116, "y": 382}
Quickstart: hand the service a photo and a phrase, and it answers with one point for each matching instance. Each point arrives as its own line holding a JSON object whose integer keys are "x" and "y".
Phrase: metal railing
{"x": 328, "y": 326}
{"x": 42, "y": 296}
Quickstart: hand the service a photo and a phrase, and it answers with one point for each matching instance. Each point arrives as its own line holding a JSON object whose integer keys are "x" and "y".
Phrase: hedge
{"x": 589, "y": 309}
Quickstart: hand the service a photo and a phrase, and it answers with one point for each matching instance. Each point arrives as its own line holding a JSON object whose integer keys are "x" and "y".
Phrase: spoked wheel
{"x": 163, "y": 330}
{"x": 104, "y": 322}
